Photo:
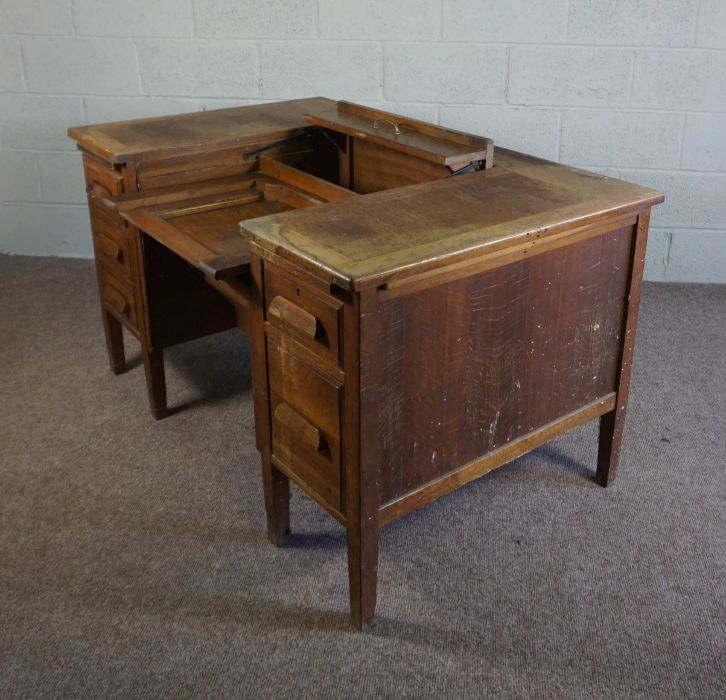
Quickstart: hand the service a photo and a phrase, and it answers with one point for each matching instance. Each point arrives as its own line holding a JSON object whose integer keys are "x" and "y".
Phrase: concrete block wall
{"x": 630, "y": 88}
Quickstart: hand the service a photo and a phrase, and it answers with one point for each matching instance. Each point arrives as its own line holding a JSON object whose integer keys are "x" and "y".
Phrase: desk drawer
{"x": 309, "y": 318}
{"x": 212, "y": 165}
{"x": 110, "y": 240}
{"x": 305, "y": 416}
{"x": 118, "y": 297}
{"x": 102, "y": 179}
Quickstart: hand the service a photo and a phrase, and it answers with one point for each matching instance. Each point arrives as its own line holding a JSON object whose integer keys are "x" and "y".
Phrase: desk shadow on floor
{"x": 567, "y": 462}
{"x": 212, "y": 370}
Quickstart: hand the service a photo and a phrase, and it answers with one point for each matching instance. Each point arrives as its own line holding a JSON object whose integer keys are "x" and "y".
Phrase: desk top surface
{"x": 139, "y": 139}
{"x": 389, "y": 235}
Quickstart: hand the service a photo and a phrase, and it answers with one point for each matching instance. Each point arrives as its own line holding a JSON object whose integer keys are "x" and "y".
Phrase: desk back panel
{"x": 480, "y": 361}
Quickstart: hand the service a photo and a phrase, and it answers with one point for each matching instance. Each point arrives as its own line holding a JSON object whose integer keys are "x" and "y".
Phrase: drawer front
{"x": 187, "y": 169}
{"x": 118, "y": 297}
{"x": 305, "y": 416}
{"x": 310, "y": 318}
{"x": 102, "y": 176}
{"x": 110, "y": 240}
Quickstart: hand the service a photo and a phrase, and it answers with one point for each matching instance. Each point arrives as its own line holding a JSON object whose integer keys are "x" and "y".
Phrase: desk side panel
{"x": 476, "y": 363}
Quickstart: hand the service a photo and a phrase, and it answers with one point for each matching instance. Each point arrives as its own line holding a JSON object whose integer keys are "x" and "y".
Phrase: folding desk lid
{"x": 427, "y": 141}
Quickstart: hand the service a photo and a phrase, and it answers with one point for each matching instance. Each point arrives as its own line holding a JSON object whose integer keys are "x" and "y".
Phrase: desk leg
{"x": 611, "y": 424}
{"x": 155, "y": 381}
{"x": 114, "y": 342}
{"x": 363, "y": 377}
{"x": 363, "y": 569}
{"x": 277, "y": 501}
{"x": 610, "y": 438}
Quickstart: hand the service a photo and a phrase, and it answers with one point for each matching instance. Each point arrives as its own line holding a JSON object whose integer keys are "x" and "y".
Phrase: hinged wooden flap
{"x": 201, "y": 224}
{"x": 427, "y": 141}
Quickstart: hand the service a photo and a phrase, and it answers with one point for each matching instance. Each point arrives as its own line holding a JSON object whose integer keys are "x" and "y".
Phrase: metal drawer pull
{"x": 108, "y": 247}
{"x": 290, "y": 418}
{"x": 292, "y": 315}
{"x": 117, "y": 300}
{"x": 377, "y": 123}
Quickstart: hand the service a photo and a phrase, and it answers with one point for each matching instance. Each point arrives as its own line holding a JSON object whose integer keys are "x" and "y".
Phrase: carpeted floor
{"x": 133, "y": 559}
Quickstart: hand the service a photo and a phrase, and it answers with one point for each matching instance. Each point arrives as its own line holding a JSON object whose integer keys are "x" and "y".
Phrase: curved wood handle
{"x": 290, "y": 418}
{"x": 96, "y": 191}
{"x": 108, "y": 247}
{"x": 294, "y": 316}
{"x": 117, "y": 300}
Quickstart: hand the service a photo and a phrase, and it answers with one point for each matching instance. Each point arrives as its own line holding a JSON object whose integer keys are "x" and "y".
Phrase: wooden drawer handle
{"x": 290, "y": 418}
{"x": 96, "y": 191}
{"x": 117, "y": 300}
{"x": 108, "y": 247}
{"x": 292, "y": 315}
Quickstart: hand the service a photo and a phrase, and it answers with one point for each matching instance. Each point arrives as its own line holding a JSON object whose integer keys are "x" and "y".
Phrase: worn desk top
{"x": 138, "y": 139}
{"x": 389, "y": 235}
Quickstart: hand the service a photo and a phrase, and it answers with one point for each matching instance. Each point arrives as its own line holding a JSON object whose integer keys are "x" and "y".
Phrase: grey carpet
{"x": 133, "y": 559}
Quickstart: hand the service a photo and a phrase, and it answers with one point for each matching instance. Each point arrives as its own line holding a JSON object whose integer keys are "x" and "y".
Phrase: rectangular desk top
{"x": 389, "y": 235}
{"x": 139, "y": 139}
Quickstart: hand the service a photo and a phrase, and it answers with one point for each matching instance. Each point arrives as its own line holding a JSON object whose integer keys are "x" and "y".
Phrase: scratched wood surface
{"x": 144, "y": 139}
{"x": 389, "y": 235}
{"x": 475, "y": 363}
{"x": 425, "y": 141}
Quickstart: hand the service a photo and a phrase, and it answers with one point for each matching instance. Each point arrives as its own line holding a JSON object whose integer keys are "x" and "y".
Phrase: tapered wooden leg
{"x": 363, "y": 570}
{"x": 277, "y": 502}
{"x": 155, "y": 381}
{"x": 608, "y": 452}
{"x": 611, "y": 424}
{"x": 363, "y": 377}
{"x": 114, "y": 342}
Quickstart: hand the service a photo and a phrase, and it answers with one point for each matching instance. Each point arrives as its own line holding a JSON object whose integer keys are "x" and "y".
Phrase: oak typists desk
{"x": 409, "y": 340}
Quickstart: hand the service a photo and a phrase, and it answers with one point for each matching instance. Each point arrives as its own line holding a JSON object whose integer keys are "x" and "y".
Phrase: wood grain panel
{"x": 484, "y": 360}
{"x": 181, "y": 305}
{"x": 324, "y": 310}
{"x": 110, "y": 239}
{"x": 378, "y": 168}
{"x": 298, "y": 389}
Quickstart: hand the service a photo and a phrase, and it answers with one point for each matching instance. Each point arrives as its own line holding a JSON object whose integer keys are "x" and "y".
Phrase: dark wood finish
{"x": 364, "y": 371}
{"x": 275, "y": 482}
{"x": 498, "y": 457}
{"x": 156, "y": 382}
{"x": 298, "y": 386}
{"x": 394, "y": 235}
{"x": 144, "y": 140}
{"x": 612, "y": 423}
{"x": 403, "y": 342}
{"x": 422, "y": 140}
{"x": 293, "y": 316}
{"x": 480, "y": 316}
{"x": 375, "y": 168}
{"x": 470, "y": 359}
{"x": 113, "y": 331}
{"x": 311, "y": 318}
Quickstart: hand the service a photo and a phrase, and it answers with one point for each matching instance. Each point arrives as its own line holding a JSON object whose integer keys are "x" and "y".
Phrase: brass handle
{"x": 292, "y": 315}
{"x": 377, "y": 123}
{"x": 116, "y": 299}
{"x": 108, "y": 247}
{"x": 290, "y": 418}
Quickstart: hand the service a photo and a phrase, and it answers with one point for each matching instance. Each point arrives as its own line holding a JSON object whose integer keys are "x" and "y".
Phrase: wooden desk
{"x": 142, "y": 287}
{"x": 410, "y": 340}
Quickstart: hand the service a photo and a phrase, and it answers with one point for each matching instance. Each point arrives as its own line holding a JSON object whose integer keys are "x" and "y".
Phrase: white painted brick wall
{"x": 631, "y": 88}
{"x": 220, "y": 68}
